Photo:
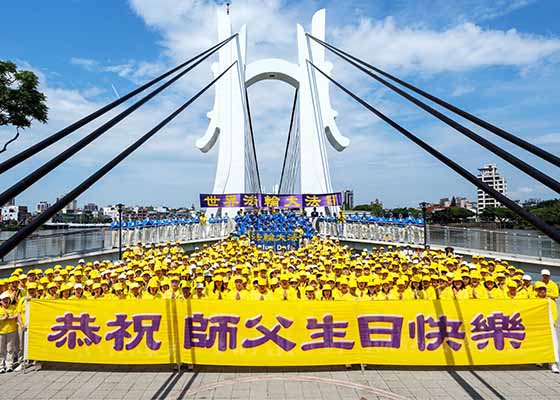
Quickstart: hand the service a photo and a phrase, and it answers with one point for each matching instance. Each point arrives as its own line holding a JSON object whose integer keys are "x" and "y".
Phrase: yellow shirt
{"x": 551, "y": 290}
{"x": 447, "y": 294}
{"x": 8, "y": 325}
{"x": 286, "y": 294}
{"x": 256, "y": 295}
{"x": 496, "y": 293}
{"x": 429, "y": 293}
{"x": 238, "y": 295}
{"x": 346, "y": 297}
{"x": 462, "y": 294}
{"x": 479, "y": 292}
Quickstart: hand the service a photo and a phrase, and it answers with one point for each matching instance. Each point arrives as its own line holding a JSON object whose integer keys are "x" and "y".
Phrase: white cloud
{"x": 461, "y": 90}
{"x": 85, "y": 63}
{"x": 549, "y": 138}
{"x": 463, "y": 47}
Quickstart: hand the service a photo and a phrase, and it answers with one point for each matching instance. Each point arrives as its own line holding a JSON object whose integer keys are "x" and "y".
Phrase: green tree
{"x": 20, "y": 100}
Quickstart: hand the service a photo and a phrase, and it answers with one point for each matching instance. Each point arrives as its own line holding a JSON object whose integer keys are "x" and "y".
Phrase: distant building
{"x": 111, "y": 212}
{"x": 91, "y": 207}
{"x": 70, "y": 208}
{"x": 42, "y": 206}
{"x": 19, "y": 214}
{"x": 531, "y": 203}
{"x": 348, "y": 199}
{"x": 489, "y": 175}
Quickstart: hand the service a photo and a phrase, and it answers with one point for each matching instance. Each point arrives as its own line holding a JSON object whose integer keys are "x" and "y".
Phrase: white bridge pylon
{"x": 228, "y": 117}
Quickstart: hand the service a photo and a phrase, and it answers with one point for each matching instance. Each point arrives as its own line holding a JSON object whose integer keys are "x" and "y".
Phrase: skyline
{"x": 494, "y": 61}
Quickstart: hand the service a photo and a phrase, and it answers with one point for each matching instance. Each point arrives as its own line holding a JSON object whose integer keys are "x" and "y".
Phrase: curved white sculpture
{"x": 316, "y": 116}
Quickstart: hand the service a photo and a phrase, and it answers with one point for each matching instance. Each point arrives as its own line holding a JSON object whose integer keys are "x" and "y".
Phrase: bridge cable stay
{"x": 43, "y": 144}
{"x": 40, "y": 172}
{"x": 294, "y": 172}
{"x": 539, "y": 152}
{"x": 256, "y": 187}
{"x": 513, "y": 206}
{"x": 39, "y": 220}
{"x": 517, "y": 162}
{"x": 288, "y": 144}
{"x": 292, "y": 158}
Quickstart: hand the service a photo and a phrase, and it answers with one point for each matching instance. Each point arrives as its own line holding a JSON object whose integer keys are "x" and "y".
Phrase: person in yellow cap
{"x": 135, "y": 292}
{"x": 344, "y": 291}
{"x": 152, "y": 291}
{"x": 52, "y": 291}
{"x": 9, "y": 319}
{"x": 310, "y": 293}
{"x": 459, "y": 289}
{"x": 428, "y": 290}
{"x": 186, "y": 293}
{"x": 262, "y": 292}
{"x": 174, "y": 291}
{"x": 96, "y": 291}
{"x": 219, "y": 290}
{"x": 239, "y": 292}
{"x": 477, "y": 290}
{"x": 401, "y": 292}
{"x": 512, "y": 292}
{"x": 285, "y": 291}
{"x": 118, "y": 292}
{"x": 492, "y": 291}
{"x": 327, "y": 292}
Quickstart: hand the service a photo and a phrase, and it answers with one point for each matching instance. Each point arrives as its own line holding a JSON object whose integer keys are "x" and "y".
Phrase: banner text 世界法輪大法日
{"x": 274, "y": 333}
{"x": 258, "y": 200}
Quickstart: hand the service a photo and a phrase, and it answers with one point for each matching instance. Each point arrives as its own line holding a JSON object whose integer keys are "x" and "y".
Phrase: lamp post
{"x": 424, "y": 217}
{"x": 120, "y": 209}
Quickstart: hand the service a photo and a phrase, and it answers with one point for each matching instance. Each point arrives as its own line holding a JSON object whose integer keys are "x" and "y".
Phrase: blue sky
{"x": 499, "y": 60}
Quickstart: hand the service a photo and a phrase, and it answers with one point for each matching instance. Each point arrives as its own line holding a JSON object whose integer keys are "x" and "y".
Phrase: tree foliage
{"x": 20, "y": 100}
{"x": 451, "y": 215}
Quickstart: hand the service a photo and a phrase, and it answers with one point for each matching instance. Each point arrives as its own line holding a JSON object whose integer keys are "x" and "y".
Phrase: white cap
{"x": 122, "y": 276}
{"x": 199, "y": 286}
{"x": 545, "y": 272}
{"x": 472, "y": 266}
{"x": 78, "y": 286}
{"x": 81, "y": 261}
{"x": 5, "y": 295}
{"x": 527, "y": 277}
{"x": 96, "y": 262}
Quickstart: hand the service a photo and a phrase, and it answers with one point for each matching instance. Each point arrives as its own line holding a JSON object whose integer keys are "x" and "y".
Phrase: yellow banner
{"x": 469, "y": 332}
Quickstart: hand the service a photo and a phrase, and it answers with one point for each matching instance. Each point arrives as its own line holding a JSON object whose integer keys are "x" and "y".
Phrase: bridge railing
{"x": 58, "y": 244}
{"x": 523, "y": 243}
{"x": 83, "y": 241}
{"x": 172, "y": 233}
{"x": 498, "y": 241}
{"x": 409, "y": 234}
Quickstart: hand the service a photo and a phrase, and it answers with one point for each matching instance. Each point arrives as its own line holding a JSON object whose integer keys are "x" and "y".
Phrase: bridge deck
{"x": 102, "y": 382}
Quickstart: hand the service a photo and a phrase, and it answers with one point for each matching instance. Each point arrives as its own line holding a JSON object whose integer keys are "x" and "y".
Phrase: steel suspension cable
{"x": 33, "y": 177}
{"x": 517, "y": 162}
{"x": 43, "y": 144}
{"x": 513, "y": 206}
{"x": 545, "y": 155}
{"x": 292, "y": 117}
{"x": 39, "y": 220}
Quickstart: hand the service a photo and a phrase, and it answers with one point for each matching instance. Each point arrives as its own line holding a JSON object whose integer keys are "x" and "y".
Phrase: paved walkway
{"x": 69, "y": 381}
